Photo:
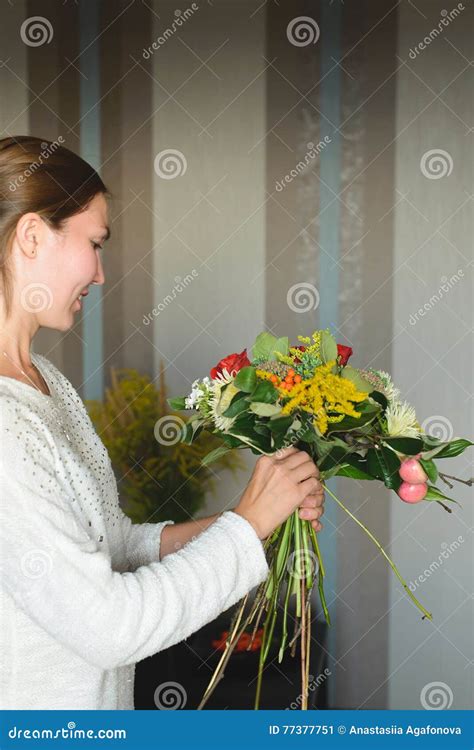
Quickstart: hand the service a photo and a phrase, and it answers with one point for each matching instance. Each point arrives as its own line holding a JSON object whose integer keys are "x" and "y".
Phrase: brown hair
{"x": 43, "y": 177}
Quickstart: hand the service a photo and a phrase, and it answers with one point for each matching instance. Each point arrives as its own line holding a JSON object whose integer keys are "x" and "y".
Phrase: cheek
{"x": 80, "y": 267}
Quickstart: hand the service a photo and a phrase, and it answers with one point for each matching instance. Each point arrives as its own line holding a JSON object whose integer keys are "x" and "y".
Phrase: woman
{"x": 84, "y": 593}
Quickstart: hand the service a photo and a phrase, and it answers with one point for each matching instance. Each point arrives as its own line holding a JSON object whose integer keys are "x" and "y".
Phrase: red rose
{"x": 232, "y": 363}
{"x": 344, "y": 352}
{"x": 302, "y": 349}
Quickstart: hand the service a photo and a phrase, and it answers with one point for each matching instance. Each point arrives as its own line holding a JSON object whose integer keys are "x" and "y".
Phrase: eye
{"x": 96, "y": 245}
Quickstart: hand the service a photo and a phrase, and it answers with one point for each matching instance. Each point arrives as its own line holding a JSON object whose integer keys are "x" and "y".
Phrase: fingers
{"x": 315, "y": 500}
{"x": 285, "y": 452}
{"x": 304, "y": 471}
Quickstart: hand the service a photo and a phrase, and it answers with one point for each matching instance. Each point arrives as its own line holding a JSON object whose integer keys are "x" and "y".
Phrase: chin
{"x": 63, "y": 325}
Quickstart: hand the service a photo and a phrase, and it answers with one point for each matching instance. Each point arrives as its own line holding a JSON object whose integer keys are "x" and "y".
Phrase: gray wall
{"x": 432, "y": 352}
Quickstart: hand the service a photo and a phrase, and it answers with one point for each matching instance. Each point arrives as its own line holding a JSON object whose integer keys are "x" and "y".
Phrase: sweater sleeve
{"x": 57, "y": 574}
{"x": 142, "y": 541}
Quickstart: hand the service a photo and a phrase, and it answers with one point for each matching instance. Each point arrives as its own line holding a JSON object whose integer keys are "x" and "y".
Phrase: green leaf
{"x": 238, "y": 404}
{"x": 266, "y": 345}
{"x": 279, "y": 425}
{"x": 178, "y": 404}
{"x": 282, "y": 345}
{"x": 325, "y": 446}
{"x": 328, "y": 347}
{"x": 246, "y": 379}
{"x": 381, "y": 398}
{"x": 191, "y": 430}
{"x": 215, "y": 455}
{"x": 228, "y": 394}
{"x": 367, "y": 411}
{"x": 335, "y": 457}
{"x": 265, "y": 409}
{"x": 262, "y": 427}
{"x": 430, "y": 469}
{"x": 244, "y": 421}
{"x": 353, "y": 472}
{"x": 363, "y": 385}
{"x": 406, "y": 445}
{"x": 265, "y": 392}
{"x": 453, "y": 448}
{"x": 435, "y": 494}
{"x": 431, "y": 443}
{"x": 261, "y": 441}
{"x": 384, "y": 464}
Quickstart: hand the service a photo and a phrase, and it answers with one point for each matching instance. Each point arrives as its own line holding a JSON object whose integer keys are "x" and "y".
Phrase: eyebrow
{"x": 107, "y": 234}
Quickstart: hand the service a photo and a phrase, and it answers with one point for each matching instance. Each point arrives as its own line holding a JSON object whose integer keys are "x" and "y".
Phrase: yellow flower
{"x": 328, "y": 397}
{"x": 263, "y": 374}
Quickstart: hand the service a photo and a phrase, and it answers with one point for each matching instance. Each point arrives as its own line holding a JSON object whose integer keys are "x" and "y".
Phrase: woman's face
{"x": 53, "y": 271}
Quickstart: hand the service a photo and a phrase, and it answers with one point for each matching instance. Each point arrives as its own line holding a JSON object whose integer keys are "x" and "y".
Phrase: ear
{"x": 29, "y": 233}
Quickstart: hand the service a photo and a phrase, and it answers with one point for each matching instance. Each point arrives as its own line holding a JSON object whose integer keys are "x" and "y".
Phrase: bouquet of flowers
{"x": 352, "y": 422}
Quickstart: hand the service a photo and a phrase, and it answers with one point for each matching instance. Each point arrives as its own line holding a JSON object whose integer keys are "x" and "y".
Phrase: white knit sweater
{"x": 83, "y": 593}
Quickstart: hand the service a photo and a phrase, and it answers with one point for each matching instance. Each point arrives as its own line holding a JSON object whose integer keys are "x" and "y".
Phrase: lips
{"x": 84, "y": 293}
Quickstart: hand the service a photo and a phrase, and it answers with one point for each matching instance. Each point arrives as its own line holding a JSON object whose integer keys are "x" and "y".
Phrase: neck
{"x": 16, "y": 336}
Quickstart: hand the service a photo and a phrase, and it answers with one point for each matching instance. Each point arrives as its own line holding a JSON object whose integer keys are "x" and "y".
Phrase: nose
{"x": 99, "y": 277}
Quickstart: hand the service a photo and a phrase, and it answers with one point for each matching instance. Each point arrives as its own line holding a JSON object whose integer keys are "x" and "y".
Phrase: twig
{"x": 389, "y": 560}
{"x": 445, "y": 478}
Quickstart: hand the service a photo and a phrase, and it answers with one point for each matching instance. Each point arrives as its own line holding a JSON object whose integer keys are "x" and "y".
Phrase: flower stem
{"x": 390, "y": 561}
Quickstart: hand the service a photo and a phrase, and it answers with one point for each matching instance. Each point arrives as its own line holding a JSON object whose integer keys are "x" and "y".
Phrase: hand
{"x": 312, "y": 508}
{"x": 280, "y": 484}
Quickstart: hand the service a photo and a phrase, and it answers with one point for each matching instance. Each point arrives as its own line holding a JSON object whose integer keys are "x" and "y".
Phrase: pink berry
{"x": 412, "y": 493}
{"x": 411, "y": 471}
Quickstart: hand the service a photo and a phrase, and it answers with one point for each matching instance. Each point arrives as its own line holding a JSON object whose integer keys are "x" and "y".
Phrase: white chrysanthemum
{"x": 401, "y": 420}
{"x": 224, "y": 377}
{"x": 222, "y": 423}
{"x": 390, "y": 390}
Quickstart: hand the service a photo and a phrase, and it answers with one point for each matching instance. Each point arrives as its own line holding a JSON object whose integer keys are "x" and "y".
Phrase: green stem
{"x": 297, "y": 558}
{"x": 389, "y": 560}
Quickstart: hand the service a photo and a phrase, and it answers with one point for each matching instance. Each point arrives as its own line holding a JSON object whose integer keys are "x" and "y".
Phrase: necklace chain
{"x": 54, "y": 410}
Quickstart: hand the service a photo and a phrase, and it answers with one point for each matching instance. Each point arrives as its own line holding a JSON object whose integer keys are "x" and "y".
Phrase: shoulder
{"x": 63, "y": 386}
{"x": 53, "y": 372}
{"x": 24, "y": 429}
